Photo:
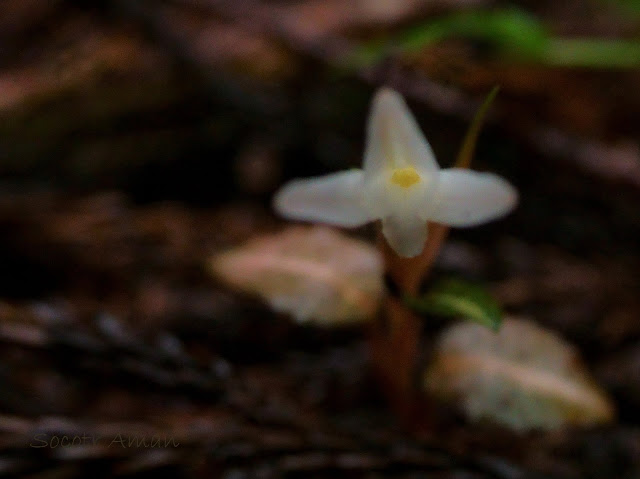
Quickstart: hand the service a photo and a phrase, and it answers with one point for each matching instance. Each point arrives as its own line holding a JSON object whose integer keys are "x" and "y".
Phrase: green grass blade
{"x": 468, "y": 147}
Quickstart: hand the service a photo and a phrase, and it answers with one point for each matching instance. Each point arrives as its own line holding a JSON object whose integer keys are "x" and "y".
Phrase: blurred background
{"x": 138, "y": 138}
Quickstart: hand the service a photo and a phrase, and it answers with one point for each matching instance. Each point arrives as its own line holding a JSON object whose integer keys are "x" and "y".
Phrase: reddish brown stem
{"x": 395, "y": 342}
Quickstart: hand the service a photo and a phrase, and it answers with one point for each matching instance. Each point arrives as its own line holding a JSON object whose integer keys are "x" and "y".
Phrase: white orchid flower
{"x": 400, "y": 183}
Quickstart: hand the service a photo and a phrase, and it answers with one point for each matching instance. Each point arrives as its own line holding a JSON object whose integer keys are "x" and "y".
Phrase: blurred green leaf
{"x": 510, "y": 29}
{"x": 592, "y": 53}
{"x": 457, "y": 298}
{"x": 515, "y": 34}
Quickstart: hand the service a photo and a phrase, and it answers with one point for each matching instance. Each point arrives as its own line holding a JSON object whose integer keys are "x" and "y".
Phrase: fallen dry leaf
{"x": 524, "y": 377}
{"x": 313, "y": 273}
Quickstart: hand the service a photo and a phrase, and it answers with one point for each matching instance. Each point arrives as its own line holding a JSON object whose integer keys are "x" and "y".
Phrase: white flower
{"x": 400, "y": 183}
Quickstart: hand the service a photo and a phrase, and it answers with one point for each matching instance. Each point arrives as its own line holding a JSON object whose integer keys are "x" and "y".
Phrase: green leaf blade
{"x": 456, "y": 298}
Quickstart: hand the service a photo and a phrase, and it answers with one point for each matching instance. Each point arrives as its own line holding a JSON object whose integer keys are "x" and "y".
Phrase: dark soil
{"x": 137, "y": 142}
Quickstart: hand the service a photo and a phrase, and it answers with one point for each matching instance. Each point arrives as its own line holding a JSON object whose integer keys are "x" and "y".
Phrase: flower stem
{"x": 395, "y": 342}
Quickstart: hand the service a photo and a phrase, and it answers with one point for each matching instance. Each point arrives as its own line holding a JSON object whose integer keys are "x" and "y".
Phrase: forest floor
{"x": 137, "y": 140}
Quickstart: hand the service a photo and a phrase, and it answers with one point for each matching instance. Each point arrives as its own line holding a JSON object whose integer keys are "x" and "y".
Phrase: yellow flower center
{"x": 405, "y": 177}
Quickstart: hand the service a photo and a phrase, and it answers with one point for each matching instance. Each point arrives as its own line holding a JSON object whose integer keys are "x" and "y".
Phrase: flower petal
{"x": 469, "y": 198}
{"x": 406, "y": 235}
{"x": 335, "y": 199}
{"x": 394, "y": 139}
